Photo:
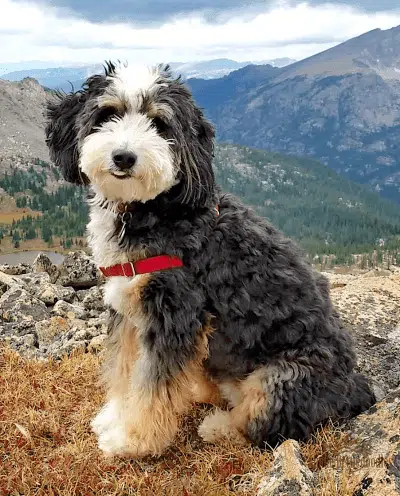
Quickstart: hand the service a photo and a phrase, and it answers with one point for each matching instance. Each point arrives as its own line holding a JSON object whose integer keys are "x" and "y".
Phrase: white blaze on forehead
{"x": 129, "y": 84}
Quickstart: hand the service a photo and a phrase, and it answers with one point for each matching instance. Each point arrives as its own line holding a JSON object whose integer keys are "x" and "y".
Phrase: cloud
{"x": 160, "y": 11}
{"x": 31, "y": 32}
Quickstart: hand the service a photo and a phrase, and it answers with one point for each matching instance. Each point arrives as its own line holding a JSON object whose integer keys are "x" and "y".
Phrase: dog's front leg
{"x": 156, "y": 354}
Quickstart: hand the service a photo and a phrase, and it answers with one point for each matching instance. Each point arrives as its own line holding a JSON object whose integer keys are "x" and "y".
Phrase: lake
{"x": 29, "y": 257}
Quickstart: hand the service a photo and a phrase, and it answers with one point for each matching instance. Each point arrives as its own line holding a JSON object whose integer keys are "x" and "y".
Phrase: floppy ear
{"x": 62, "y": 134}
{"x": 197, "y": 152}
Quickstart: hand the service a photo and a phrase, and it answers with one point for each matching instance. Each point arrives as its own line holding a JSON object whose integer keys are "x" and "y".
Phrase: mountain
{"x": 341, "y": 106}
{"x": 64, "y": 77}
{"x": 21, "y": 121}
{"x": 307, "y": 200}
{"x": 56, "y": 77}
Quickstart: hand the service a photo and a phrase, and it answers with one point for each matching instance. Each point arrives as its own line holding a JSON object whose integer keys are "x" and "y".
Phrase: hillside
{"x": 341, "y": 106}
{"x": 307, "y": 200}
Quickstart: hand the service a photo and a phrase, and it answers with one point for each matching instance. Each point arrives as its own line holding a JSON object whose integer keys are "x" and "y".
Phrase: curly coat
{"x": 246, "y": 323}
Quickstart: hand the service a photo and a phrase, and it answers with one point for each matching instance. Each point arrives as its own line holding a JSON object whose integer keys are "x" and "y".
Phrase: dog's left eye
{"x": 105, "y": 115}
{"x": 159, "y": 124}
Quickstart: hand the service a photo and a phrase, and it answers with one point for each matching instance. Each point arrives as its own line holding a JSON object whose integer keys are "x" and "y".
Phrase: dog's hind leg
{"x": 248, "y": 400}
{"x": 285, "y": 400}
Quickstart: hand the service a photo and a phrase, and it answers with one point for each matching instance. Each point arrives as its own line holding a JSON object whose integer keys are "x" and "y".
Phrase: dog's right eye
{"x": 104, "y": 115}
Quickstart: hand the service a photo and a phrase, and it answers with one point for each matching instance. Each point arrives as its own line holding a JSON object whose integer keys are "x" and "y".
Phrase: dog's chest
{"x": 106, "y": 252}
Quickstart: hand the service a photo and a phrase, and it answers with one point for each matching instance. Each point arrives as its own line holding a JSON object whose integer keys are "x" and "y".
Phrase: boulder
{"x": 64, "y": 309}
{"x": 16, "y": 270}
{"x": 17, "y": 305}
{"x": 79, "y": 271}
{"x": 42, "y": 263}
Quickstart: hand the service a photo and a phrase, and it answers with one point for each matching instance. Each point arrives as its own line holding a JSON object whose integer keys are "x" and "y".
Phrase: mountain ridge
{"x": 348, "y": 118}
{"x": 62, "y": 77}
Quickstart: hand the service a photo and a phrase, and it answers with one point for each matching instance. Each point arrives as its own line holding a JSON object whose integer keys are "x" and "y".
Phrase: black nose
{"x": 123, "y": 159}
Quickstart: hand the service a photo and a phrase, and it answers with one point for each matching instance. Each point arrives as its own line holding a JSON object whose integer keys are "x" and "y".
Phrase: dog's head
{"x": 133, "y": 134}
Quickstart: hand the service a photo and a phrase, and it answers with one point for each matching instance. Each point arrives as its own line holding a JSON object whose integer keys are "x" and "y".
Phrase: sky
{"x": 73, "y": 32}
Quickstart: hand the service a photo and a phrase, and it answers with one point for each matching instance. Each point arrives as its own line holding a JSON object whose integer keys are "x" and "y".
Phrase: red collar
{"x": 145, "y": 266}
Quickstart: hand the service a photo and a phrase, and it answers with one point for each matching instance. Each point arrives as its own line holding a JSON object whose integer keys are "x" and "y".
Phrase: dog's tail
{"x": 362, "y": 396}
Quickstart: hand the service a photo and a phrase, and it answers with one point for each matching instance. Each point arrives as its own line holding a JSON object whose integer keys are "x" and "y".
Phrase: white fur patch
{"x": 129, "y": 83}
{"x": 108, "y": 425}
{"x": 154, "y": 171}
{"x": 217, "y": 426}
{"x": 109, "y": 416}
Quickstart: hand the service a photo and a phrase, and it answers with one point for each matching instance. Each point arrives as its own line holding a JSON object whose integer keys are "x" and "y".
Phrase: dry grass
{"x": 9, "y": 217}
{"x": 47, "y": 448}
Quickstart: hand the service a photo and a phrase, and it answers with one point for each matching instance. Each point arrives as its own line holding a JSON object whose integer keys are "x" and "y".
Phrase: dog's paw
{"x": 113, "y": 437}
{"x": 116, "y": 442}
{"x": 218, "y": 427}
{"x": 112, "y": 440}
{"x": 108, "y": 417}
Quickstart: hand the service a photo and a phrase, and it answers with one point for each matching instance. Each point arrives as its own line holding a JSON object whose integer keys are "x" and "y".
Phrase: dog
{"x": 208, "y": 301}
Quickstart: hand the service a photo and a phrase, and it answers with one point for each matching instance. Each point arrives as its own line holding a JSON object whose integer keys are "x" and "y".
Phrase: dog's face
{"x": 133, "y": 135}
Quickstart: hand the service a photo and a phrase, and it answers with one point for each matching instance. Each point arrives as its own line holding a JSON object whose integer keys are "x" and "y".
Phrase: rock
{"x": 50, "y": 294}
{"x": 81, "y": 293}
{"x": 8, "y": 281}
{"x": 25, "y": 345}
{"x": 16, "y": 270}
{"x": 42, "y": 263}
{"x": 34, "y": 280}
{"x": 48, "y": 330}
{"x": 93, "y": 300}
{"x": 288, "y": 475}
{"x": 17, "y": 328}
{"x": 394, "y": 336}
{"x": 369, "y": 306}
{"x": 17, "y": 305}
{"x": 64, "y": 309}
{"x": 79, "y": 271}
{"x": 68, "y": 347}
{"x": 372, "y": 303}
{"x": 97, "y": 343}
{"x": 373, "y": 452}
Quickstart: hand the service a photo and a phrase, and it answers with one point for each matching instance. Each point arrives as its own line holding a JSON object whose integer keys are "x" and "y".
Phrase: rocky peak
{"x": 22, "y": 119}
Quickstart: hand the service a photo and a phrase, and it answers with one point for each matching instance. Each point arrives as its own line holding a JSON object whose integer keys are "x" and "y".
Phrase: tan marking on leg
{"x": 122, "y": 353}
{"x": 232, "y": 425}
{"x": 142, "y": 419}
{"x": 206, "y": 391}
{"x": 156, "y": 412}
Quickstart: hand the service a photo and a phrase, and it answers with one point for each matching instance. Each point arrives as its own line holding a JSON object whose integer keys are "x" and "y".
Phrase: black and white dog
{"x": 210, "y": 303}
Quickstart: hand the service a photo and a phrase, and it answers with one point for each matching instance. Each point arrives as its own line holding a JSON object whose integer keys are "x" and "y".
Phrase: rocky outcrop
{"x": 367, "y": 465}
{"x": 373, "y": 452}
{"x": 39, "y": 318}
{"x": 289, "y": 476}
{"x": 369, "y": 305}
